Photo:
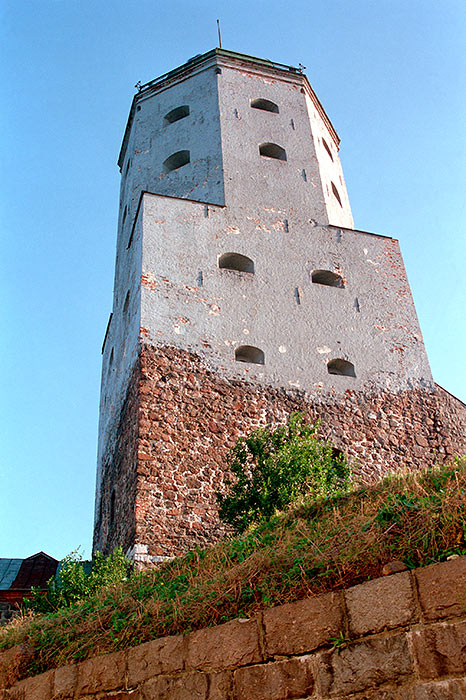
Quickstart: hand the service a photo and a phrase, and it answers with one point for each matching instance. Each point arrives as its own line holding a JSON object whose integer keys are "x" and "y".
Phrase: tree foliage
{"x": 76, "y": 580}
{"x": 273, "y": 467}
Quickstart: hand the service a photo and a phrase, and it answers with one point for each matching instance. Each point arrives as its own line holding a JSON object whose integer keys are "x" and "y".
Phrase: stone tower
{"x": 242, "y": 292}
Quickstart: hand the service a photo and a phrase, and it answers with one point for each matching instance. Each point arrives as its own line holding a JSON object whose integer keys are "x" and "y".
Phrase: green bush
{"x": 76, "y": 580}
{"x": 272, "y": 468}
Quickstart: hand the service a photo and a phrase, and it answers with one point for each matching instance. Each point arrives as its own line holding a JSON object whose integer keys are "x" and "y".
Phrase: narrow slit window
{"x": 236, "y": 261}
{"x": 112, "y": 508}
{"x": 327, "y": 148}
{"x": 176, "y": 160}
{"x": 126, "y": 304}
{"x": 272, "y": 150}
{"x": 337, "y": 195}
{"x": 341, "y": 367}
{"x": 176, "y": 114}
{"x": 327, "y": 278}
{"x": 265, "y": 105}
{"x": 248, "y": 353}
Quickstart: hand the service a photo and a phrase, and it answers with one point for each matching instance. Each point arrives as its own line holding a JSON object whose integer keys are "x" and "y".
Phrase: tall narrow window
{"x": 176, "y": 160}
{"x": 248, "y": 353}
{"x": 328, "y": 278}
{"x": 176, "y": 114}
{"x": 337, "y": 195}
{"x": 342, "y": 367}
{"x": 327, "y": 148}
{"x": 272, "y": 150}
{"x": 235, "y": 261}
{"x": 265, "y": 105}
{"x": 126, "y": 304}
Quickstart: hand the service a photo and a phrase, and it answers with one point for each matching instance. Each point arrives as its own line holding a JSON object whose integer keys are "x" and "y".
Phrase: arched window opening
{"x": 337, "y": 196}
{"x": 248, "y": 353}
{"x": 328, "y": 278}
{"x": 126, "y": 304}
{"x": 176, "y": 114}
{"x": 235, "y": 261}
{"x": 272, "y": 150}
{"x": 266, "y": 105}
{"x": 176, "y": 160}
{"x": 327, "y": 148}
{"x": 342, "y": 367}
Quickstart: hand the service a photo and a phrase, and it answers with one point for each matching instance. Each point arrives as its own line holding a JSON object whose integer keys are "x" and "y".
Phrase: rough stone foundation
{"x": 402, "y": 637}
{"x": 189, "y": 417}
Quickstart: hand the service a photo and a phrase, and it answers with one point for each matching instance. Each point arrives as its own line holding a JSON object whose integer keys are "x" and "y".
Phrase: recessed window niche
{"x": 265, "y": 105}
{"x": 176, "y": 161}
{"x": 327, "y": 278}
{"x": 176, "y": 114}
{"x": 341, "y": 367}
{"x": 236, "y": 261}
{"x": 272, "y": 150}
{"x": 248, "y": 353}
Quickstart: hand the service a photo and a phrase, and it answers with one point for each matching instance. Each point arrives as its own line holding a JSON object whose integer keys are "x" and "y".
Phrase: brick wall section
{"x": 189, "y": 417}
{"x": 404, "y": 638}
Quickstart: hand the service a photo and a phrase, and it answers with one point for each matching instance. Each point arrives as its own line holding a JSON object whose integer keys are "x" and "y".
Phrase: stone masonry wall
{"x": 115, "y": 523}
{"x": 189, "y": 417}
{"x": 402, "y": 637}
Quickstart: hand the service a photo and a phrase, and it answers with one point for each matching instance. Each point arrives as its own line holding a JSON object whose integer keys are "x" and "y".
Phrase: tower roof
{"x": 222, "y": 56}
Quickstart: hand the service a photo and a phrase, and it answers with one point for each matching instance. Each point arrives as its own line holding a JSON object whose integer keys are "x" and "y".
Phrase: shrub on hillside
{"x": 76, "y": 580}
{"x": 271, "y": 468}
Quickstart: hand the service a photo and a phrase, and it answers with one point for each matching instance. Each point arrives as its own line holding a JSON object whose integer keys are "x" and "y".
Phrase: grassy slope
{"x": 419, "y": 518}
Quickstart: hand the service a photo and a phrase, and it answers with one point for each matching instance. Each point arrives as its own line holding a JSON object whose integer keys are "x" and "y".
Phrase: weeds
{"x": 311, "y": 548}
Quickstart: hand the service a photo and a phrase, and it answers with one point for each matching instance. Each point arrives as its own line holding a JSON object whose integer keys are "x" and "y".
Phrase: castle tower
{"x": 242, "y": 293}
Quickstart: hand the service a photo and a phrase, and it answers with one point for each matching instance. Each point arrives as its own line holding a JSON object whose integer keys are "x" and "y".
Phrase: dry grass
{"x": 418, "y": 518}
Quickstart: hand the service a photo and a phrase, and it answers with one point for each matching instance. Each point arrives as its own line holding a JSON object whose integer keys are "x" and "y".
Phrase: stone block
{"x": 106, "y": 672}
{"x": 187, "y": 686}
{"x": 13, "y": 664}
{"x": 35, "y": 688}
{"x": 221, "y": 685}
{"x": 363, "y": 666}
{"x": 160, "y": 656}
{"x": 64, "y": 682}
{"x": 16, "y": 692}
{"x": 296, "y": 628}
{"x": 394, "y": 567}
{"x": 441, "y": 690}
{"x": 442, "y": 589}
{"x": 233, "y": 644}
{"x": 393, "y": 693}
{"x": 292, "y": 678}
{"x": 440, "y": 650}
{"x": 384, "y": 603}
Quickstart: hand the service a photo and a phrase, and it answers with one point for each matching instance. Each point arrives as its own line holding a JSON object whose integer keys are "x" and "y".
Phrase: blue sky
{"x": 391, "y": 75}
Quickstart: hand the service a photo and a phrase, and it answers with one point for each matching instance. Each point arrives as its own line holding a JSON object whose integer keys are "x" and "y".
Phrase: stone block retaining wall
{"x": 401, "y": 637}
